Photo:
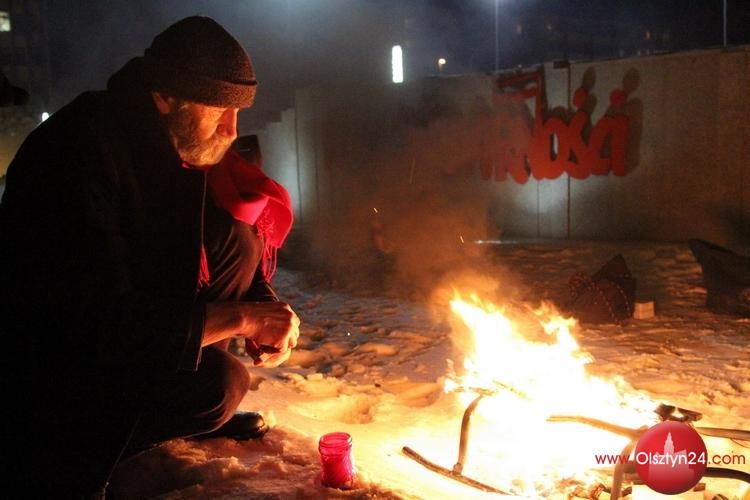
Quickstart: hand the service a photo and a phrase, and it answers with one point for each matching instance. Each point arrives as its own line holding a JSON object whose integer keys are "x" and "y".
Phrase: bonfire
{"x": 537, "y": 423}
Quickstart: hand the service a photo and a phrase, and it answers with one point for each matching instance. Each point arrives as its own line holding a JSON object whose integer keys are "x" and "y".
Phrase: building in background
{"x": 25, "y": 61}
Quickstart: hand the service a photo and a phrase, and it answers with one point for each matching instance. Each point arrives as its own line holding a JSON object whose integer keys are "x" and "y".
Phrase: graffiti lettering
{"x": 549, "y": 147}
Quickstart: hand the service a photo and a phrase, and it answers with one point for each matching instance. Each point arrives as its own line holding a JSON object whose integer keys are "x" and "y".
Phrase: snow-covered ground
{"x": 373, "y": 363}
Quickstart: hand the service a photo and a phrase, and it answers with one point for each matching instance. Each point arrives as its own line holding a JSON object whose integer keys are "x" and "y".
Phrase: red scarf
{"x": 243, "y": 190}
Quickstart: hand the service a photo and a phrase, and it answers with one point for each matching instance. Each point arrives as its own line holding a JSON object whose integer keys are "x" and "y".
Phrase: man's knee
{"x": 234, "y": 377}
{"x": 231, "y": 382}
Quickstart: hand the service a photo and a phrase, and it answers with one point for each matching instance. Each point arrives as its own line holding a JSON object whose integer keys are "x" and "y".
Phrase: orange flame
{"x": 534, "y": 368}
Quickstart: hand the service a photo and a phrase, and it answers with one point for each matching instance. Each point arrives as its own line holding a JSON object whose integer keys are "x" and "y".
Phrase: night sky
{"x": 298, "y": 43}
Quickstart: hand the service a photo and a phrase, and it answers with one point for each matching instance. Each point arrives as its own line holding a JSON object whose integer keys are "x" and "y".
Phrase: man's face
{"x": 200, "y": 134}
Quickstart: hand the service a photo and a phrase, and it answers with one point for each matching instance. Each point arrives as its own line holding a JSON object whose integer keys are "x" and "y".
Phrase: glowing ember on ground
{"x": 534, "y": 368}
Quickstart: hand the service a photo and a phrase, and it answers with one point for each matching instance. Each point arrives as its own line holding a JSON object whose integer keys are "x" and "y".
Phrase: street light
{"x": 397, "y": 64}
{"x": 725, "y": 22}
{"x": 497, "y": 39}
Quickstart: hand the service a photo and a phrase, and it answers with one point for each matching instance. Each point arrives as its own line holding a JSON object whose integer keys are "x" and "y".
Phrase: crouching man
{"x": 134, "y": 245}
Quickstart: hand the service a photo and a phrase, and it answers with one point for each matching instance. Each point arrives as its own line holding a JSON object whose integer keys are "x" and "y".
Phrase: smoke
{"x": 420, "y": 245}
{"x": 409, "y": 204}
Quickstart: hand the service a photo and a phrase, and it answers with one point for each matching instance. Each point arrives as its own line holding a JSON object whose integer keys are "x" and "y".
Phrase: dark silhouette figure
{"x": 726, "y": 276}
{"x": 11, "y": 95}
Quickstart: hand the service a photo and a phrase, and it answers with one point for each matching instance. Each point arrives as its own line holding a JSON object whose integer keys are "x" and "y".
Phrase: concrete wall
{"x": 417, "y": 149}
{"x": 278, "y": 144}
{"x": 690, "y": 164}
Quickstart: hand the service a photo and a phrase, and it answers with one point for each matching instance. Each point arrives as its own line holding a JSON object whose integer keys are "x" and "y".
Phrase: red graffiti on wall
{"x": 547, "y": 148}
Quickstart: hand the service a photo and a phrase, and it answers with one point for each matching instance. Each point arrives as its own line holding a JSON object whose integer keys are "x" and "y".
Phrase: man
{"x": 129, "y": 261}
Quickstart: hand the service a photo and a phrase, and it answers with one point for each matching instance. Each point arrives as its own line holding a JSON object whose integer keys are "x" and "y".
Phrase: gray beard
{"x": 182, "y": 133}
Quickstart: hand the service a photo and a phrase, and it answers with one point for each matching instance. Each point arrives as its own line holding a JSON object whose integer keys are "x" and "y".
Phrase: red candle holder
{"x": 336, "y": 460}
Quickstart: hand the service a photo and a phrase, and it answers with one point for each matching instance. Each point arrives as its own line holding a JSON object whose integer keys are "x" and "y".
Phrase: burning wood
{"x": 526, "y": 389}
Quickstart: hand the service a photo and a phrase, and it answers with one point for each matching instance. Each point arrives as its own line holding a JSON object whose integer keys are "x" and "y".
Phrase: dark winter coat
{"x": 100, "y": 244}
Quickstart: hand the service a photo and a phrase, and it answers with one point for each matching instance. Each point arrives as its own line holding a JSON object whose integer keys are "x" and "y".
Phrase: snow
{"x": 372, "y": 363}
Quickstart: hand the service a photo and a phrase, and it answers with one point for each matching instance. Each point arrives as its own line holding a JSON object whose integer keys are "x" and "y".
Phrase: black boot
{"x": 242, "y": 426}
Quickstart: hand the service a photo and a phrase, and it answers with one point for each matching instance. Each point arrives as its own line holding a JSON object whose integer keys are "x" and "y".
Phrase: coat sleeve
{"x": 73, "y": 289}
{"x": 260, "y": 289}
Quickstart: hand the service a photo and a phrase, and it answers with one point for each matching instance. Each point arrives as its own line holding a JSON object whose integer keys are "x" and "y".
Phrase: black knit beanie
{"x": 198, "y": 60}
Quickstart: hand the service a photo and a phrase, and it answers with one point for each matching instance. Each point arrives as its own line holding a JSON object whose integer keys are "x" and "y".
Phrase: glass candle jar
{"x": 336, "y": 460}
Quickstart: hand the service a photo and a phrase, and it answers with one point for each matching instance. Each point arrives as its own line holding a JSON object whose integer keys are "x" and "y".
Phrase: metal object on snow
{"x": 665, "y": 412}
{"x": 616, "y": 490}
{"x": 457, "y": 471}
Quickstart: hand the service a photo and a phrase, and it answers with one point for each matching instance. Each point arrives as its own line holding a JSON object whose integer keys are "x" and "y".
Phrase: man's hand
{"x": 271, "y": 329}
{"x": 267, "y": 357}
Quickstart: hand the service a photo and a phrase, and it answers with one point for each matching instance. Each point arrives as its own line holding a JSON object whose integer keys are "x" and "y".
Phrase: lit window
{"x": 4, "y": 21}
{"x": 397, "y": 64}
